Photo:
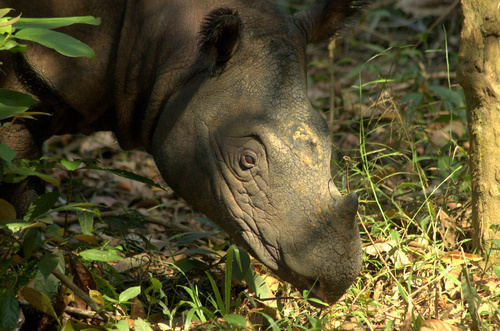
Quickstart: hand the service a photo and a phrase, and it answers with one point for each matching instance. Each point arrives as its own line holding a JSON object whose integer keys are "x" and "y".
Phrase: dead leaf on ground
{"x": 434, "y": 324}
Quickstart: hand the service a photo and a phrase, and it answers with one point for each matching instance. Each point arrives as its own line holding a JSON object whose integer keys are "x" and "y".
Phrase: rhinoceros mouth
{"x": 315, "y": 288}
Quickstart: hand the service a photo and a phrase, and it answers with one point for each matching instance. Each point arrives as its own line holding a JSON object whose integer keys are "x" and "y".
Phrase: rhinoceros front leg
{"x": 20, "y": 138}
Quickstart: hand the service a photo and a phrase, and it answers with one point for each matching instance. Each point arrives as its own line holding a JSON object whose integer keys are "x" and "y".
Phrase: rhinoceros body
{"x": 216, "y": 92}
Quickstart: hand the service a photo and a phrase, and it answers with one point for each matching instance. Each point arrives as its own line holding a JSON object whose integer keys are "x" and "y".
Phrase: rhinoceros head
{"x": 241, "y": 142}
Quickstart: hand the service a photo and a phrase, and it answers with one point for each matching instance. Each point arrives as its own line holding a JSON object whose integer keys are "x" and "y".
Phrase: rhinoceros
{"x": 215, "y": 90}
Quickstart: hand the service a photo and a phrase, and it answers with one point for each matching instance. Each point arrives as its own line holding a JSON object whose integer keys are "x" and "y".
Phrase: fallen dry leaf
{"x": 434, "y": 324}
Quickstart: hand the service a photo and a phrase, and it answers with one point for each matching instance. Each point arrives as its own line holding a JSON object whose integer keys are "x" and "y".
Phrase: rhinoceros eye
{"x": 248, "y": 159}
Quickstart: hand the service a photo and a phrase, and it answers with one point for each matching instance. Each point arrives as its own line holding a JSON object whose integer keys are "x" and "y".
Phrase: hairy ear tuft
{"x": 325, "y": 19}
{"x": 220, "y": 34}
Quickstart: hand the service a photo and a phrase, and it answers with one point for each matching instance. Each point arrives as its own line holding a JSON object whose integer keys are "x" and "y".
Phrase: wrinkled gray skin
{"x": 219, "y": 99}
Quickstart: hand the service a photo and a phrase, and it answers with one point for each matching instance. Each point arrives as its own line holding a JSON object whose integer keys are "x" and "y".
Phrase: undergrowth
{"x": 398, "y": 124}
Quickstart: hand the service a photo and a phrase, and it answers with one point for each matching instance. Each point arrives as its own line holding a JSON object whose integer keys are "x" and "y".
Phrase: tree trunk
{"x": 478, "y": 72}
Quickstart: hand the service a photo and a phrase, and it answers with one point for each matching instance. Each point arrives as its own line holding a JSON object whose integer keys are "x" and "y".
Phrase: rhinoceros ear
{"x": 220, "y": 34}
{"x": 325, "y": 19}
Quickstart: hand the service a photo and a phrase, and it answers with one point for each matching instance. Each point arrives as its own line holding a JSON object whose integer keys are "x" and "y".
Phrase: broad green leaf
{"x": 13, "y": 103}
{"x": 141, "y": 325}
{"x": 7, "y": 211}
{"x": 496, "y": 242}
{"x": 71, "y": 165}
{"x": 75, "y": 206}
{"x": 17, "y": 225}
{"x": 5, "y": 11}
{"x": 9, "y": 311}
{"x": 5, "y": 31}
{"x": 199, "y": 251}
{"x": 72, "y": 325}
{"x": 128, "y": 175}
{"x": 241, "y": 265}
{"x": 155, "y": 284}
{"x": 192, "y": 236}
{"x": 497, "y": 271}
{"x": 40, "y": 301}
{"x": 186, "y": 265}
{"x": 235, "y": 320}
{"x": 100, "y": 255}
{"x": 41, "y": 205}
{"x": 48, "y": 263}
{"x": 32, "y": 242}
{"x": 28, "y": 172}
{"x": 122, "y": 325}
{"x": 47, "y": 286}
{"x": 259, "y": 287}
{"x": 14, "y": 47}
{"x": 54, "y": 231}
{"x": 55, "y": 22}
{"x": 455, "y": 96}
{"x": 129, "y": 294}
{"x": 58, "y": 41}
{"x": 6, "y": 153}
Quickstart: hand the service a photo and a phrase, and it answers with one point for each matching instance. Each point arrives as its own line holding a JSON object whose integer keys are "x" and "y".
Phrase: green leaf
{"x": 100, "y": 255}
{"x": 235, "y": 320}
{"x": 13, "y": 103}
{"x": 227, "y": 276}
{"x": 16, "y": 225}
{"x": 259, "y": 287}
{"x": 14, "y": 47}
{"x": 5, "y": 11}
{"x": 197, "y": 251}
{"x": 40, "y": 301}
{"x": 60, "y": 42}
{"x": 141, "y": 325}
{"x": 48, "y": 263}
{"x": 192, "y": 236}
{"x": 241, "y": 265}
{"x": 128, "y": 175}
{"x": 7, "y": 211}
{"x": 157, "y": 285}
{"x": 71, "y": 165}
{"x": 6, "y": 153}
{"x": 9, "y": 311}
{"x": 86, "y": 220}
{"x": 219, "y": 304}
{"x": 496, "y": 242}
{"x": 470, "y": 294}
{"x": 72, "y": 325}
{"x": 25, "y": 172}
{"x": 47, "y": 286}
{"x": 186, "y": 265}
{"x": 497, "y": 271}
{"x": 122, "y": 325}
{"x": 32, "y": 242}
{"x": 41, "y": 205}
{"x": 129, "y": 294}
{"x": 55, "y": 22}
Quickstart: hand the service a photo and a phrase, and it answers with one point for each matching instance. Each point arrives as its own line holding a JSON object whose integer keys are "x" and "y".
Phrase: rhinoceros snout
{"x": 324, "y": 254}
